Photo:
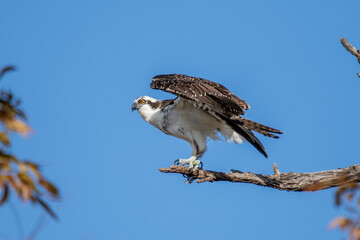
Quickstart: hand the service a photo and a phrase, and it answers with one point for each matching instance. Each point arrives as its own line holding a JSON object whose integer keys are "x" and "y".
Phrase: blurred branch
{"x": 290, "y": 181}
{"x": 351, "y": 49}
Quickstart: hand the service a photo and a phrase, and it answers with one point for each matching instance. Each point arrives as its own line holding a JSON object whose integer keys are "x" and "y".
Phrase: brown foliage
{"x": 24, "y": 178}
{"x": 348, "y": 197}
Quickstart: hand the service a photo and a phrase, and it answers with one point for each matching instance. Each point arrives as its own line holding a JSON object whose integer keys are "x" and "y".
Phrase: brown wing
{"x": 202, "y": 91}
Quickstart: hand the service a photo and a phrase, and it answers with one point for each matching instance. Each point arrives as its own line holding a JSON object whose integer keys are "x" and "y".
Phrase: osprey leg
{"x": 198, "y": 145}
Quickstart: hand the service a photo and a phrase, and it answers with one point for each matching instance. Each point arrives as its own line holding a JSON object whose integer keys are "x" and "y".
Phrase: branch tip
{"x": 351, "y": 49}
{"x": 276, "y": 170}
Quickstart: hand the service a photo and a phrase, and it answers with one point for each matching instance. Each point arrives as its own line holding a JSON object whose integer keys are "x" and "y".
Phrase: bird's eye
{"x": 142, "y": 101}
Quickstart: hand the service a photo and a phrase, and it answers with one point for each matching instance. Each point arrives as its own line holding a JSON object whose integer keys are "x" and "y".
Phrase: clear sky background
{"x": 82, "y": 63}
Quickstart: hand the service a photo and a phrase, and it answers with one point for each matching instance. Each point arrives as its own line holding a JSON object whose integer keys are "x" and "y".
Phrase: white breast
{"x": 183, "y": 120}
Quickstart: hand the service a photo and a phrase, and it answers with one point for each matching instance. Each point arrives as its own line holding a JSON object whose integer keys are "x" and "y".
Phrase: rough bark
{"x": 351, "y": 49}
{"x": 282, "y": 181}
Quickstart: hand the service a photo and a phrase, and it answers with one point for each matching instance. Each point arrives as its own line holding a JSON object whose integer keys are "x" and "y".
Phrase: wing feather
{"x": 201, "y": 90}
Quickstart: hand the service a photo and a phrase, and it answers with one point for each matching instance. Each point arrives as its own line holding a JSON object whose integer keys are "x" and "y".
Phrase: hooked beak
{"x": 134, "y": 107}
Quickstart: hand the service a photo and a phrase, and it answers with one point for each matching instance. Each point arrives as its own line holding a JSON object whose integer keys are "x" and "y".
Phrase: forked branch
{"x": 290, "y": 181}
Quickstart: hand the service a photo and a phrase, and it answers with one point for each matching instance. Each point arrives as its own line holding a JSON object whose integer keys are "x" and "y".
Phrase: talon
{"x": 201, "y": 165}
{"x": 197, "y": 163}
{"x": 176, "y": 162}
{"x": 189, "y": 179}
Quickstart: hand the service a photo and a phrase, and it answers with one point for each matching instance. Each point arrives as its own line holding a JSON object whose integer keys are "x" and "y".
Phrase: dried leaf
{"x": 34, "y": 168}
{"x": 341, "y": 222}
{"x": 7, "y": 157}
{"x": 32, "y": 165}
{"x": 5, "y": 194}
{"x": 26, "y": 179}
{"x": 350, "y": 196}
{"x": 22, "y": 168}
{"x": 33, "y": 199}
{"x": 4, "y": 138}
{"x": 47, "y": 208}
{"x": 50, "y": 187}
{"x": 357, "y": 233}
{"x": 354, "y": 233}
{"x": 338, "y": 195}
{"x": 18, "y": 126}
{"x": 14, "y": 185}
{"x": 348, "y": 188}
{"x": 25, "y": 192}
{"x": 20, "y": 113}
{"x": 5, "y": 165}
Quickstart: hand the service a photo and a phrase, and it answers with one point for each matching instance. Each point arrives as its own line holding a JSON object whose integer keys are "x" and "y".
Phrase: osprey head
{"x": 145, "y": 102}
{"x": 146, "y": 106}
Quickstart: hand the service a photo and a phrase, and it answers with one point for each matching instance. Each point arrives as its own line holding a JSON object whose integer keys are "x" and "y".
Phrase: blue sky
{"x": 82, "y": 63}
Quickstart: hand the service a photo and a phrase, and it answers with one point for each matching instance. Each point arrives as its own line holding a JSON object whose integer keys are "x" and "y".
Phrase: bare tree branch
{"x": 351, "y": 49}
{"x": 290, "y": 181}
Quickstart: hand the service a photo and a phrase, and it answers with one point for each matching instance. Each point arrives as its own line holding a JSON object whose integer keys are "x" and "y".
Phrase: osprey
{"x": 201, "y": 110}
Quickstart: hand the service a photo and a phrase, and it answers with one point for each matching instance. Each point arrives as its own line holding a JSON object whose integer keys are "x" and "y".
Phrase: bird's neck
{"x": 151, "y": 115}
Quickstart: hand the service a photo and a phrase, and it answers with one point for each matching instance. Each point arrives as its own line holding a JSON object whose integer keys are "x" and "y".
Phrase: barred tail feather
{"x": 257, "y": 127}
